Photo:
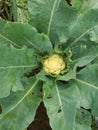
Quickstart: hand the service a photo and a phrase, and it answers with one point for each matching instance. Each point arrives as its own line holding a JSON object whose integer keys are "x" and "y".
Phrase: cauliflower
{"x": 54, "y": 64}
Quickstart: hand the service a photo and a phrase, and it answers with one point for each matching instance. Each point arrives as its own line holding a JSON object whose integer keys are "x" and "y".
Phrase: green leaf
{"x": 22, "y": 11}
{"x": 18, "y": 109}
{"x": 14, "y": 63}
{"x": 84, "y": 52}
{"x": 52, "y": 18}
{"x": 83, "y": 119}
{"x": 66, "y": 77}
{"x": 87, "y": 81}
{"x": 2, "y": 24}
{"x": 94, "y": 34}
{"x": 80, "y": 29}
{"x": 95, "y": 60}
{"x": 84, "y": 6}
{"x": 25, "y": 34}
{"x": 62, "y": 105}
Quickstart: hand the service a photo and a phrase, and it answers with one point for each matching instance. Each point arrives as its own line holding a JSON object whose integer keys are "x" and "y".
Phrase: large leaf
{"x": 83, "y": 119}
{"x": 62, "y": 105}
{"x": 2, "y": 24}
{"x": 87, "y": 81}
{"x": 84, "y": 52}
{"x": 62, "y": 22}
{"x": 25, "y": 34}
{"x": 52, "y": 18}
{"x": 84, "y": 5}
{"x": 19, "y": 108}
{"x": 14, "y": 63}
{"x": 80, "y": 30}
{"x": 94, "y": 34}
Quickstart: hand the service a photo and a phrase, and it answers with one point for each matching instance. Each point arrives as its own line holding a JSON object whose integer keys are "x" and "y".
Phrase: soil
{"x": 5, "y": 10}
{"x": 41, "y": 120}
{"x": 69, "y": 2}
{"x": 0, "y": 110}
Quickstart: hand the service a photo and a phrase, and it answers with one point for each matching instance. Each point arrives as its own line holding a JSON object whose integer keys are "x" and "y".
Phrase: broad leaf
{"x": 84, "y": 53}
{"x": 19, "y": 108}
{"x": 52, "y": 18}
{"x": 83, "y": 119}
{"x": 80, "y": 30}
{"x": 25, "y": 34}
{"x": 62, "y": 105}
{"x": 84, "y": 50}
{"x": 14, "y": 63}
{"x": 94, "y": 34}
{"x": 87, "y": 81}
{"x": 2, "y": 24}
{"x": 84, "y": 5}
{"x": 67, "y": 76}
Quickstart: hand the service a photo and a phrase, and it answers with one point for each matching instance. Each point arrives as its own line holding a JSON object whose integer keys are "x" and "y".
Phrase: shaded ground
{"x": 0, "y": 110}
{"x": 6, "y": 10}
{"x": 41, "y": 121}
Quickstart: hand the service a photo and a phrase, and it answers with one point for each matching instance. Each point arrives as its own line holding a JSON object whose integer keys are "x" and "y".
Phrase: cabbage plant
{"x": 55, "y": 53}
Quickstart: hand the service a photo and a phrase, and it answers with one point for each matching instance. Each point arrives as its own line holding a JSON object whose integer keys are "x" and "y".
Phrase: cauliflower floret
{"x": 54, "y": 64}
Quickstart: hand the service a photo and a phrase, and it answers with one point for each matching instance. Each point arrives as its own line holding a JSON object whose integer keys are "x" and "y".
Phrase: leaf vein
{"x": 78, "y": 38}
{"x": 51, "y": 17}
{"x": 86, "y": 83}
{"x": 22, "y": 66}
{"x": 20, "y": 100}
{"x": 9, "y": 41}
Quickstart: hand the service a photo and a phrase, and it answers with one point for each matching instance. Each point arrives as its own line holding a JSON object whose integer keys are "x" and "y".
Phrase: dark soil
{"x": 0, "y": 110}
{"x": 41, "y": 120}
{"x": 69, "y": 2}
{"x": 5, "y": 10}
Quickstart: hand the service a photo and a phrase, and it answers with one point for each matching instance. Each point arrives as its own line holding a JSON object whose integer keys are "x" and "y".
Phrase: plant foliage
{"x": 71, "y": 97}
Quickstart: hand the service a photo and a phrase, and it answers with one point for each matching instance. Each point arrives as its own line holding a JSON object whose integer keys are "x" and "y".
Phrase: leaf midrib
{"x": 14, "y": 67}
{"x": 13, "y": 43}
{"x": 26, "y": 94}
{"x": 60, "y": 100}
{"x": 51, "y": 17}
{"x": 78, "y": 38}
{"x": 86, "y": 83}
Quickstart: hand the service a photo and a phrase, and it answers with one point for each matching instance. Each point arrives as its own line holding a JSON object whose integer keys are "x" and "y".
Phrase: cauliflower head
{"x": 54, "y": 64}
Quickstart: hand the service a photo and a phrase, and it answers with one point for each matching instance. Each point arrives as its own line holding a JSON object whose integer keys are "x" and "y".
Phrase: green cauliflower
{"x": 54, "y": 64}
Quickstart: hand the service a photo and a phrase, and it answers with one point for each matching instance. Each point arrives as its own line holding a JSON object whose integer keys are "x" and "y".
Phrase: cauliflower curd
{"x": 54, "y": 64}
